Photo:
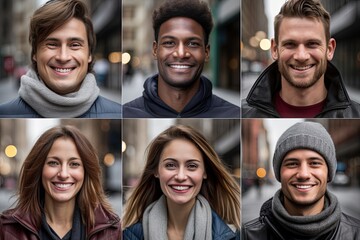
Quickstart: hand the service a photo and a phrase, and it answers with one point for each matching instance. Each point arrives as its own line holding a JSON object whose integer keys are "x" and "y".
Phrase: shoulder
{"x": 221, "y": 108}
{"x": 104, "y": 108}
{"x": 17, "y": 108}
{"x": 136, "y": 109}
{"x": 220, "y": 230}
{"x": 255, "y": 229}
{"x": 134, "y": 232}
{"x": 350, "y": 221}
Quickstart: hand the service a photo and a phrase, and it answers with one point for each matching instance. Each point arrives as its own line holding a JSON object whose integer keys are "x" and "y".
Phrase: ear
{"x": 34, "y": 57}
{"x": 90, "y": 58}
{"x": 274, "y": 49}
{"x": 205, "y": 176}
{"x": 331, "y": 49}
{"x": 154, "y": 49}
{"x": 156, "y": 175}
{"x": 207, "y": 53}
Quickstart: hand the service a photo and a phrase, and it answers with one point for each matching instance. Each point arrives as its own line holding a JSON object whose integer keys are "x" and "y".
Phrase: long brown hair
{"x": 31, "y": 190}
{"x": 220, "y": 188}
{"x": 53, "y": 15}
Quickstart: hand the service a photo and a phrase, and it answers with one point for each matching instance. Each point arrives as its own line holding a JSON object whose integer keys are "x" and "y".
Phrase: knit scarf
{"x": 308, "y": 226}
{"x": 198, "y": 226}
{"x": 50, "y": 104}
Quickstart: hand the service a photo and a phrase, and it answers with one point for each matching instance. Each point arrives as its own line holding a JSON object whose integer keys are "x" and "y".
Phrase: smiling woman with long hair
{"x": 60, "y": 194}
{"x": 184, "y": 191}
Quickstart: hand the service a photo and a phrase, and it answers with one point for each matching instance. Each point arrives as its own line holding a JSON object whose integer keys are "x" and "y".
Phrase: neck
{"x": 178, "y": 216}
{"x": 176, "y": 98}
{"x": 59, "y": 216}
{"x": 304, "y": 210}
{"x": 302, "y": 97}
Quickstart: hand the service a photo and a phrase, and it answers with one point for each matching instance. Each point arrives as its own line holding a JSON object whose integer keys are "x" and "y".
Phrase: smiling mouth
{"x": 179, "y": 66}
{"x": 63, "y": 185}
{"x": 302, "y": 68}
{"x": 180, "y": 188}
{"x": 63, "y": 70}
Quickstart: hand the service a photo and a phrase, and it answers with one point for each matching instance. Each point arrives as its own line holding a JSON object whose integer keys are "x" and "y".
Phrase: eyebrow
{"x": 189, "y": 38}
{"x": 68, "y": 39}
{"x": 59, "y": 159}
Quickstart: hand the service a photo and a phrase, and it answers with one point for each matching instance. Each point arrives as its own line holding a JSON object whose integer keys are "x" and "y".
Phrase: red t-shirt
{"x": 289, "y": 111}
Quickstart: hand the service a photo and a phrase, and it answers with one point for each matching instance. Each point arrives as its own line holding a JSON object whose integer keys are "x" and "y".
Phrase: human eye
{"x": 75, "y": 45}
{"x": 289, "y": 45}
{"x": 291, "y": 164}
{"x": 313, "y": 44}
{"x": 192, "y": 166}
{"x": 316, "y": 163}
{"x": 52, "y": 45}
{"x": 168, "y": 43}
{"x": 52, "y": 163}
{"x": 194, "y": 44}
{"x": 170, "y": 165}
{"x": 75, "y": 164}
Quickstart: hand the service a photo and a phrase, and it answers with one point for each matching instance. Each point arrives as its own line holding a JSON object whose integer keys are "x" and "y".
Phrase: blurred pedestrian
{"x": 304, "y": 163}
{"x": 181, "y": 48}
{"x": 60, "y": 193}
{"x": 302, "y": 82}
{"x": 60, "y": 82}
{"x": 184, "y": 192}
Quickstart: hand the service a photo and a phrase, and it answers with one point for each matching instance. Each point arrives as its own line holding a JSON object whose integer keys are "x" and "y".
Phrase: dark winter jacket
{"x": 259, "y": 102}
{"x": 220, "y": 231}
{"x": 101, "y": 108}
{"x": 203, "y": 105}
{"x": 266, "y": 227}
{"x": 15, "y": 225}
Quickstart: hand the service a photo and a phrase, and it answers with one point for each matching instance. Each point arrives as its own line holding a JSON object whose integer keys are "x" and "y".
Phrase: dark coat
{"x": 203, "y": 105}
{"x": 220, "y": 231}
{"x": 266, "y": 227}
{"x": 101, "y": 108}
{"x": 259, "y": 102}
{"x": 15, "y": 225}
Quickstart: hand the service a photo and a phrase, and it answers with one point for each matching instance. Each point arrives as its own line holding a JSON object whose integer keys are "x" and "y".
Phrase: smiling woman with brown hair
{"x": 184, "y": 184}
{"x": 60, "y": 193}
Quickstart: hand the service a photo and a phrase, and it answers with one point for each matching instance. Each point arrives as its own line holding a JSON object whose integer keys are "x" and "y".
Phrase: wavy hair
{"x": 220, "y": 189}
{"x": 303, "y": 9}
{"x": 52, "y": 15}
{"x": 31, "y": 191}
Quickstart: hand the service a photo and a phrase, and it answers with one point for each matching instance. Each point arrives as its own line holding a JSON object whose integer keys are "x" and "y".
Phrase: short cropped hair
{"x": 197, "y": 10}
{"x": 303, "y": 9}
{"x": 53, "y": 15}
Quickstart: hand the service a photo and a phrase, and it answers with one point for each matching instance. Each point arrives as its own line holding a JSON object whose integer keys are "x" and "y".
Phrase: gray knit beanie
{"x": 307, "y": 135}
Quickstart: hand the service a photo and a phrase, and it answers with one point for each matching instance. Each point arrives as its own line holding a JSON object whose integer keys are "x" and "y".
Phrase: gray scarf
{"x": 198, "y": 226}
{"x": 314, "y": 225}
{"x": 52, "y": 105}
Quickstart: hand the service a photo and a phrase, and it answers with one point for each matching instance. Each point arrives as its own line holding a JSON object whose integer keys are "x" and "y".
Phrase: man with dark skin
{"x": 181, "y": 49}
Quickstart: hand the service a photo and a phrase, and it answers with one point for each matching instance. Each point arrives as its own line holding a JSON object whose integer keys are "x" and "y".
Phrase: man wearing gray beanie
{"x": 304, "y": 162}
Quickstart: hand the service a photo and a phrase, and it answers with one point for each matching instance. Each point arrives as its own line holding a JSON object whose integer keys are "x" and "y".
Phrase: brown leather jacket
{"x": 15, "y": 225}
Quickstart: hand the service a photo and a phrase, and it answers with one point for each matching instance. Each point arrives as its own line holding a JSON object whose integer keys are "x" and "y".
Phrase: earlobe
{"x": 34, "y": 57}
{"x": 274, "y": 52}
{"x": 90, "y": 59}
{"x": 154, "y": 50}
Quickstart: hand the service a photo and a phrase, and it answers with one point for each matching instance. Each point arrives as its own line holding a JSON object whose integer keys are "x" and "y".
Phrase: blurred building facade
{"x": 254, "y": 28}
{"x": 344, "y": 27}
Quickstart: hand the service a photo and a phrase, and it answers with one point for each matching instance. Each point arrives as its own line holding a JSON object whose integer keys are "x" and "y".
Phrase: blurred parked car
{"x": 341, "y": 179}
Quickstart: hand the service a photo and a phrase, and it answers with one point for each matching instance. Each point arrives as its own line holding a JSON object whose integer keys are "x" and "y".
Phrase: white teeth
{"x": 63, "y": 185}
{"x": 63, "y": 70}
{"x": 180, "y": 188}
{"x": 302, "y": 68}
{"x": 180, "y": 66}
{"x": 303, "y": 186}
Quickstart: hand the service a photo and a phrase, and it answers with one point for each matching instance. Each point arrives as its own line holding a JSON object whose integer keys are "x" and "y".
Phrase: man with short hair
{"x": 181, "y": 48}
{"x": 60, "y": 82}
{"x": 304, "y": 162}
{"x": 301, "y": 82}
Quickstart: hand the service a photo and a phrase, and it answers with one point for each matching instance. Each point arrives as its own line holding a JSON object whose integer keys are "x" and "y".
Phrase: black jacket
{"x": 266, "y": 227}
{"x": 203, "y": 105}
{"x": 220, "y": 231}
{"x": 101, "y": 108}
{"x": 259, "y": 102}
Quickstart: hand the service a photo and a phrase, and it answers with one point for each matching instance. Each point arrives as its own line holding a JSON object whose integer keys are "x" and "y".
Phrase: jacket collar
{"x": 264, "y": 89}
{"x": 198, "y": 104}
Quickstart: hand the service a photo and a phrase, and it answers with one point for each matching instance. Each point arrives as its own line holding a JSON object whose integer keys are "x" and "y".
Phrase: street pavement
{"x": 252, "y": 200}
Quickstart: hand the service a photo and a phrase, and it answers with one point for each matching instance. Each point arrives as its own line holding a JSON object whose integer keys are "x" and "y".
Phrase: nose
{"x": 303, "y": 172}
{"x": 301, "y": 53}
{"x": 181, "y": 51}
{"x": 181, "y": 174}
{"x": 63, "y": 173}
{"x": 63, "y": 54}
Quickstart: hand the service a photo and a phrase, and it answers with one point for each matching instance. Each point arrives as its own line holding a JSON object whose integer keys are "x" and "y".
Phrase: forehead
{"x": 303, "y": 154}
{"x": 71, "y": 28}
{"x": 182, "y": 149}
{"x": 179, "y": 26}
{"x": 301, "y": 27}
